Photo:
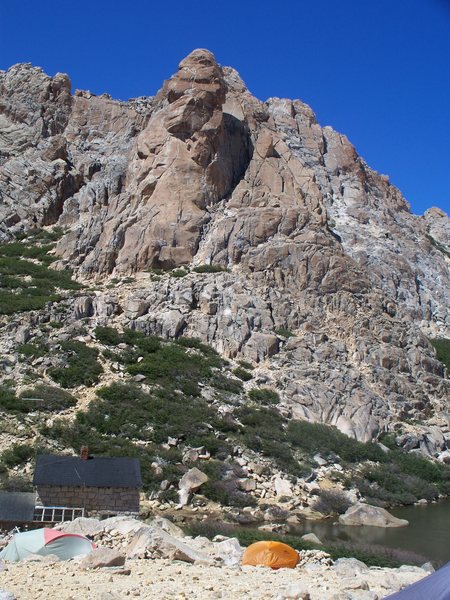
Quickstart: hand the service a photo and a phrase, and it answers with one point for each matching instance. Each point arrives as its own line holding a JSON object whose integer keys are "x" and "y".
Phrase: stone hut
{"x": 103, "y": 483}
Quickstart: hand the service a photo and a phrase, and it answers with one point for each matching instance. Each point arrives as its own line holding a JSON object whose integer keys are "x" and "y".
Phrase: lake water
{"x": 427, "y": 534}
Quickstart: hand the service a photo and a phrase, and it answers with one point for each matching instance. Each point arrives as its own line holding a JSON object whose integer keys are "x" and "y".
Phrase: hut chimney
{"x": 84, "y": 452}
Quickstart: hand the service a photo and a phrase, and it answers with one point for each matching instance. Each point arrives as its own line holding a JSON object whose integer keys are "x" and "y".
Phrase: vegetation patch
{"x": 82, "y": 366}
{"x": 179, "y": 273}
{"x": 332, "y": 502}
{"x": 47, "y": 398}
{"x": 442, "y": 347}
{"x": 32, "y": 350}
{"x": 222, "y": 486}
{"x": 107, "y": 335}
{"x": 263, "y": 430}
{"x": 438, "y": 245}
{"x": 246, "y": 365}
{"x": 264, "y": 396}
{"x": 316, "y": 437}
{"x": 283, "y": 332}
{"x": 26, "y": 281}
{"x": 242, "y": 374}
{"x": 125, "y": 419}
{"x": 16, "y": 455}
{"x": 210, "y": 269}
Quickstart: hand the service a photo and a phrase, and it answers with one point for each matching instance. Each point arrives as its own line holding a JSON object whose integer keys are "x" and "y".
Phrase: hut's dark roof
{"x": 17, "y": 507}
{"x": 102, "y": 471}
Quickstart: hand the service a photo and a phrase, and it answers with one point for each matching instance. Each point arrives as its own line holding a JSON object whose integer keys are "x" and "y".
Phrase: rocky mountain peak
{"x": 295, "y": 255}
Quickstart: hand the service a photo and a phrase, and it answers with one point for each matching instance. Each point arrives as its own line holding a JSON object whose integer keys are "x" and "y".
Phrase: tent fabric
{"x": 271, "y": 554}
{"x": 436, "y": 587}
{"x": 44, "y": 542}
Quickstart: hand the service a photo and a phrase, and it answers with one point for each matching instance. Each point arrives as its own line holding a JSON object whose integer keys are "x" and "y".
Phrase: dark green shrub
{"x": 190, "y": 388}
{"x": 82, "y": 367}
{"x": 221, "y": 382}
{"x": 179, "y": 273}
{"x": 332, "y": 502}
{"x": 18, "y": 454}
{"x": 32, "y": 350}
{"x": 8, "y": 399}
{"x": 125, "y": 410}
{"x": 171, "y": 363}
{"x": 17, "y": 483}
{"x": 132, "y": 336}
{"x": 149, "y": 344}
{"x": 26, "y": 281}
{"x": 283, "y": 332}
{"x": 261, "y": 420}
{"x": 317, "y": 437}
{"x": 170, "y": 495}
{"x": 264, "y": 396}
{"x": 107, "y": 335}
{"x": 189, "y": 342}
{"x": 242, "y": 374}
{"x": 246, "y": 365}
{"x": 47, "y": 398}
{"x": 442, "y": 347}
{"x": 222, "y": 485}
{"x": 210, "y": 269}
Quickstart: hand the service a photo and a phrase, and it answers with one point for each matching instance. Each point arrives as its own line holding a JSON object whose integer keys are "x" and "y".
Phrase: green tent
{"x": 44, "y": 542}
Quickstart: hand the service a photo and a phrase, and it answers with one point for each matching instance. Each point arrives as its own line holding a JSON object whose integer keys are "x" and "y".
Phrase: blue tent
{"x": 434, "y": 587}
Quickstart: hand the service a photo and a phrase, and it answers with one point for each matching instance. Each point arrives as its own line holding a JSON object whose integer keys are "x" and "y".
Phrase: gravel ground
{"x": 164, "y": 580}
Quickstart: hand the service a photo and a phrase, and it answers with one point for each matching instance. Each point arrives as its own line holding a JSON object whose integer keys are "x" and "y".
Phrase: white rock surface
{"x": 373, "y": 516}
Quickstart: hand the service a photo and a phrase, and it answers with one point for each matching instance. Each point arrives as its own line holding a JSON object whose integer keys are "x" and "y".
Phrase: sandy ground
{"x": 164, "y": 580}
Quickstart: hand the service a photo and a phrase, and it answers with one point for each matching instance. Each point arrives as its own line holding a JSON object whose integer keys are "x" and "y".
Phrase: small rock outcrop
{"x": 103, "y": 557}
{"x": 190, "y": 482}
{"x": 372, "y": 516}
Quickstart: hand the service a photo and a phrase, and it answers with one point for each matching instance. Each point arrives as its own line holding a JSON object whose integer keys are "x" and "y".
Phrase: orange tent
{"x": 271, "y": 554}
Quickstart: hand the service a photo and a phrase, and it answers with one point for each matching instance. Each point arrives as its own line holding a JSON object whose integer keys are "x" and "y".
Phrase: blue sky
{"x": 377, "y": 71}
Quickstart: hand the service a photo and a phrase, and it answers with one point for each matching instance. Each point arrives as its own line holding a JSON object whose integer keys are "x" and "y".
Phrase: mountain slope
{"x": 311, "y": 265}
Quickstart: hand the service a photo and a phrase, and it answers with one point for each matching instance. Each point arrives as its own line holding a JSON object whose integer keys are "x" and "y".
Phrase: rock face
{"x": 373, "y": 516}
{"x": 329, "y": 284}
{"x": 103, "y": 557}
{"x": 191, "y": 482}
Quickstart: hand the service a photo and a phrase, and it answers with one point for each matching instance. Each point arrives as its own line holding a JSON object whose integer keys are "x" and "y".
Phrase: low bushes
{"x": 32, "y": 350}
{"x": 222, "y": 486}
{"x": 242, "y": 374}
{"x": 331, "y": 502}
{"x": 226, "y": 384}
{"x": 107, "y": 335}
{"x": 263, "y": 431}
{"x": 264, "y": 396}
{"x": 179, "y": 273}
{"x": 17, "y": 454}
{"x": 442, "y": 347}
{"x": 26, "y": 281}
{"x": 48, "y": 398}
{"x": 8, "y": 399}
{"x": 316, "y": 437}
{"x": 82, "y": 366}
{"x": 209, "y": 269}
{"x": 41, "y": 398}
